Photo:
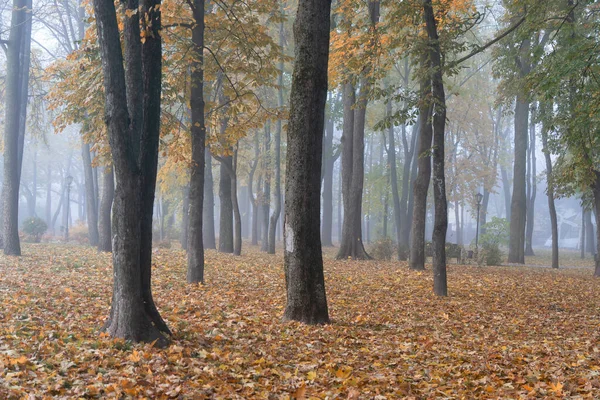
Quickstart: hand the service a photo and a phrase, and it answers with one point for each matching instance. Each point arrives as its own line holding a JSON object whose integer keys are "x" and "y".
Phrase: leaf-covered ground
{"x": 503, "y": 333}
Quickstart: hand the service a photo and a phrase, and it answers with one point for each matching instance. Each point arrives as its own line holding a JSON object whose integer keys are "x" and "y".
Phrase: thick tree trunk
{"x": 90, "y": 194}
{"x": 391, "y": 153}
{"x": 589, "y": 233}
{"x": 226, "y": 211}
{"x": 305, "y": 283}
{"x": 208, "y": 209}
{"x": 518, "y": 212}
{"x": 133, "y": 131}
{"x": 17, "y": 83}
{"x": 104, "y": 215}
{"x": 421, "y": 185}
{"x": 516, "y": 249}
{"x": 195, "y": 245}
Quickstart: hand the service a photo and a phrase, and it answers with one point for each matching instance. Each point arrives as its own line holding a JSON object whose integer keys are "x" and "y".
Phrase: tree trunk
{"x": 278, "y": 128}
{"x": 104, "y": 217}
{"x": 550, "y": 190}
{"x": 226, "y": 211}
{"x": 185, "y": 218}
{"x": 518, "y": 213}
{"x": 48, "y": 194}
{"x": 133, "y": 130}
{"x": 531, "y": 187}
{"x": 391, "y": 153}
{"x": 266, "y": 198}
{"x": 16, "y": 93}
{"x": 208, "y": 209}
{"x": 90, "y": 194}
{"x": 195, "y": 245}
{"x": 440, "y": 284}
{"x": 421, "y": 185}
{"x": 303, "y": 260}
{"x": 254, "y": 199}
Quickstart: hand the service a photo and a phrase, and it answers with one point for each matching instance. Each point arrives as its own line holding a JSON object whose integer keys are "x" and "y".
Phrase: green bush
{"x": 35, "y": 227}
{"x": 382, "y": 249}
{"x": 496, "y": 235}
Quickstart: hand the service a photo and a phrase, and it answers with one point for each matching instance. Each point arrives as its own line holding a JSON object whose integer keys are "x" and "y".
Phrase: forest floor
{"x": 504, "y": 332}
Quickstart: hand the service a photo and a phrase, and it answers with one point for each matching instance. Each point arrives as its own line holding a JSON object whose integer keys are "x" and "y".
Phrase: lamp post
{"x": 69, "y": 180}
{"x": 478, "y": 198}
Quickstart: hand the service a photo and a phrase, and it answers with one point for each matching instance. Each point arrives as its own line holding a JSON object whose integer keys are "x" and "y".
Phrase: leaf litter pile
{"x": 504, "y": 332}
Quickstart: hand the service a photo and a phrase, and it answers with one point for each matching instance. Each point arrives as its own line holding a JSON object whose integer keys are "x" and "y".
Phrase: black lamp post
{"x": 478, "y": 198}
{"x": 69, "y": 180}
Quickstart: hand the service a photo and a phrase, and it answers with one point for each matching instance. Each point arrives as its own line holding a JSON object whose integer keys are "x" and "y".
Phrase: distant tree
{"x": 303, "y": 259}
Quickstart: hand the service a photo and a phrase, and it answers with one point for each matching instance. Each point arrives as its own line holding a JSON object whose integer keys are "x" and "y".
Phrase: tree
{"x": 17, "y": 84}
{"x": 353, "y": 151}
{"x": 440, "y": 285}
{"x": 195, "y": 246}
{"x": 132, "y": 84}
{"x": 303, "y": 259}
{"x": 544, "y": 109}
{"x": 105, "y": 211}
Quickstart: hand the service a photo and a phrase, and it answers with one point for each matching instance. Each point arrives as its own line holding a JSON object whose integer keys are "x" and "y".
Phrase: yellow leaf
{"x": 343, "y": 372}
{"x": 300, "y": 393}
{"x": 311, "y": 376}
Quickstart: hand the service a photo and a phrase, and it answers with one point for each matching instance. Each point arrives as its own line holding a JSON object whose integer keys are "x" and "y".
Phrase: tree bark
{"x": 90, "y": 194}
{"x": 277, "y": 161}
{"x": 303, "y": 260}
{"x": 550, "y": 190}
{"x": 48, "y": 194}
{"x": 253, "y": 199}
{"x": 226, "y": 211}
{"x": 440, "y": 284}
{"x": 266, "y": 197}
{"x": 531, "y": 187}
{"x": 133, "y": 131}
{"x": 208, "y": 209}
{"x": 17, "y": 84}
{"x": 518, "y": 213}
{"x": 421, "y": 185}
{"x": 195, "y": 245}
{"x": 104, "y": 216}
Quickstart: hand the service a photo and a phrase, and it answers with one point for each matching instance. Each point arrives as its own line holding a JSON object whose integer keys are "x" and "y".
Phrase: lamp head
{"x": 478, "y": 197}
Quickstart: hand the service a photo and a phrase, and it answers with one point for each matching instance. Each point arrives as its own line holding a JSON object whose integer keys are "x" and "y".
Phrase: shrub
{"x": 79, "y": 233}
{"x": 382, "y": 249}
{"x": 35, "y": 227}
{"x": 496, "y": 235}
{"x": 163, "y": 244}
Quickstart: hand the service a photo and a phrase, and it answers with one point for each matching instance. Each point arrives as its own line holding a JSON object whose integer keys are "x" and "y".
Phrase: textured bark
{"x": 17, "y": 83}
{"x": 550, "y": 192}
{"x": 90, "y": 194}
{"x": 421, "y": 184}
{"x": 133, "y": 132}
{"x": 391, "y": 153}
{"x": 303, "y": 260}
{"x": 518, "y": 212}
{"x": 440, "y": 284}
{"x": 506, "y": 191}
{"x": 208, "y": 210}
{"x": 195, "y": 245}
{"x": 104, "y": 215}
